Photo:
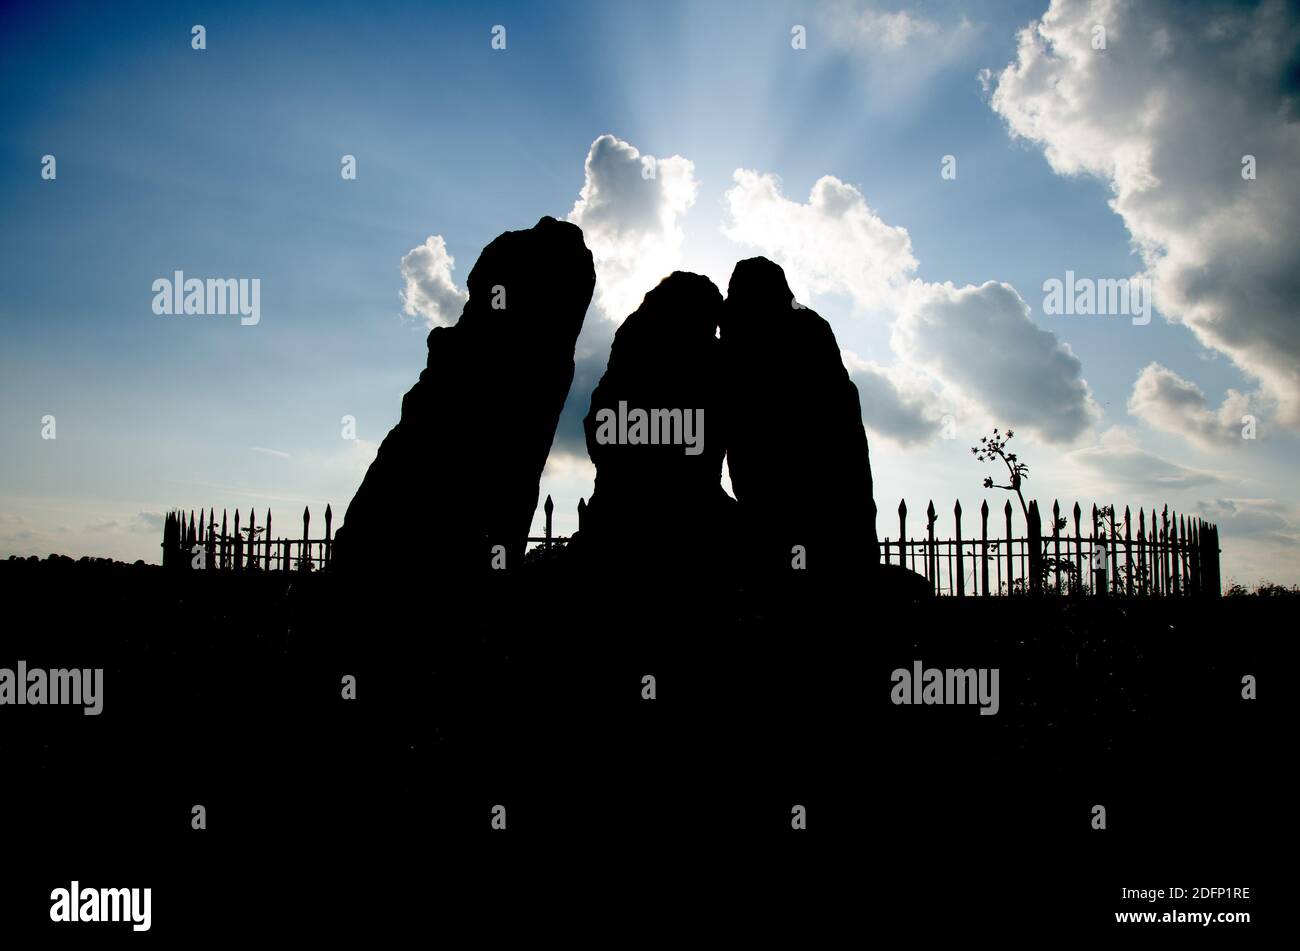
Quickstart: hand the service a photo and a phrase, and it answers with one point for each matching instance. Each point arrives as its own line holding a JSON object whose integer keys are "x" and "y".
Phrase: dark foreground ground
{"x": 373, "y": 815}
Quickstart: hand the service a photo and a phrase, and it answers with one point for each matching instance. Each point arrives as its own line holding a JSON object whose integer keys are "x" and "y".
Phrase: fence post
{"x": 1202, "y": 556}
{"x": 1128, "y": 552}
{"x": 266, "y": 558}
{"x": 1110, "y": 546}
{"x": 902, "y": 532}
{"x": 304, "y": 553}
{"x": 1184, "y": 559}
{"x": 549, "y": 509}
{"x": 1215, "y": 586}
{"x": 1141, "y": 550}
{"x": 1162, "y": 585}
{"x": 984, "y": 548}
{"x": 1011, "y": 558}
{"x": 1035, "y": 549}
{"x": 1166, "y": 579}
{"x": 1194, "y": 556}
{"x": 1175, "y": 561}
{"x": 329, "y": 534}
{"x": 1175, "y": 569}
{"x": 961, "y": 563}
{"x": 211, "y": 543}
{"x": 1210, "y": 544}
{"x": 1056, "y": 540}
{"x": 1078, "y": 549}
{"x": 239, "y": 545}
{"x": 932, "y": 555}
{"x": 1099, "y": 583}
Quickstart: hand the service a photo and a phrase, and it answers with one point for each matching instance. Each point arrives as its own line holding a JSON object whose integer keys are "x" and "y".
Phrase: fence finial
{"x": 1035, "y": 542}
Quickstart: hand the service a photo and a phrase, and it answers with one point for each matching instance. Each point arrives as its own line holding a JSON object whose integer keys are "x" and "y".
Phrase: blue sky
{"x": 224, "y": 162}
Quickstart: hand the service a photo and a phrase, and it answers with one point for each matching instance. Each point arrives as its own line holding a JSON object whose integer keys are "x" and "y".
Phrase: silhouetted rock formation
{"x": 459, "y": 473}
{"x": 797, "y": 450}
{"x": 657, "y": 433}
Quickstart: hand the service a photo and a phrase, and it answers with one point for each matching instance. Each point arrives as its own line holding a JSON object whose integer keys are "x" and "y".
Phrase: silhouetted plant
{"x": 994, "y": 448}
{"x": 543, "y": 554}
{"x": 1066, "y": 571}
{"x": 1265, "y": 589}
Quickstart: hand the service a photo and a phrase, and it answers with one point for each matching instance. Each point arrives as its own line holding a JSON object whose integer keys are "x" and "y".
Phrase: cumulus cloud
{"x": 834, "y": 243}
{"x": 1119, "y": 460}
{"x": 982, "y": 341}
{"x": 430, "y": 291}
{"x": 896, "y": 405}
{"x": 977, "y": 345}
{"x": 630, "y": 210}
{"x": 1266, "y": 520}
{"x": 1166, "y": 401}
{"x": 1165, "y": 115}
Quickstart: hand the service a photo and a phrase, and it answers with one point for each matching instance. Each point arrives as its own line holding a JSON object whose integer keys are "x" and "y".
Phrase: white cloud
{"x": 892, "y": 55}
{"x": 1119, "y": 461}
{"x": 889, "y": 30}
{"x": 899, "y": 406}
{"x": 630, "y": 211}
{"x": 430, "y": 291}
{"x": 982, "y": 341}
{"x": 1165, "y": 115}
{"x": 835, "y": 243}
{"x": 1164, "y": 400}
{"x": 1265, "y": 520}
{"x": 978, "y": 346}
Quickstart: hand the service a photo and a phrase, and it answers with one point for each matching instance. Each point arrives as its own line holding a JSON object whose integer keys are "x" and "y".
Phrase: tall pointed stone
{"x": 459, "y": 473}
{"x": 656, "y": 432}
{"x": 797, "y": 450}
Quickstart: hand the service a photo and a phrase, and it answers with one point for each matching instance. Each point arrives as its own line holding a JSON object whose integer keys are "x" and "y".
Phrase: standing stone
{"x": 797, "y": 451}
{"x": 460, "y": 471}
{"x": 661, "y": 507}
